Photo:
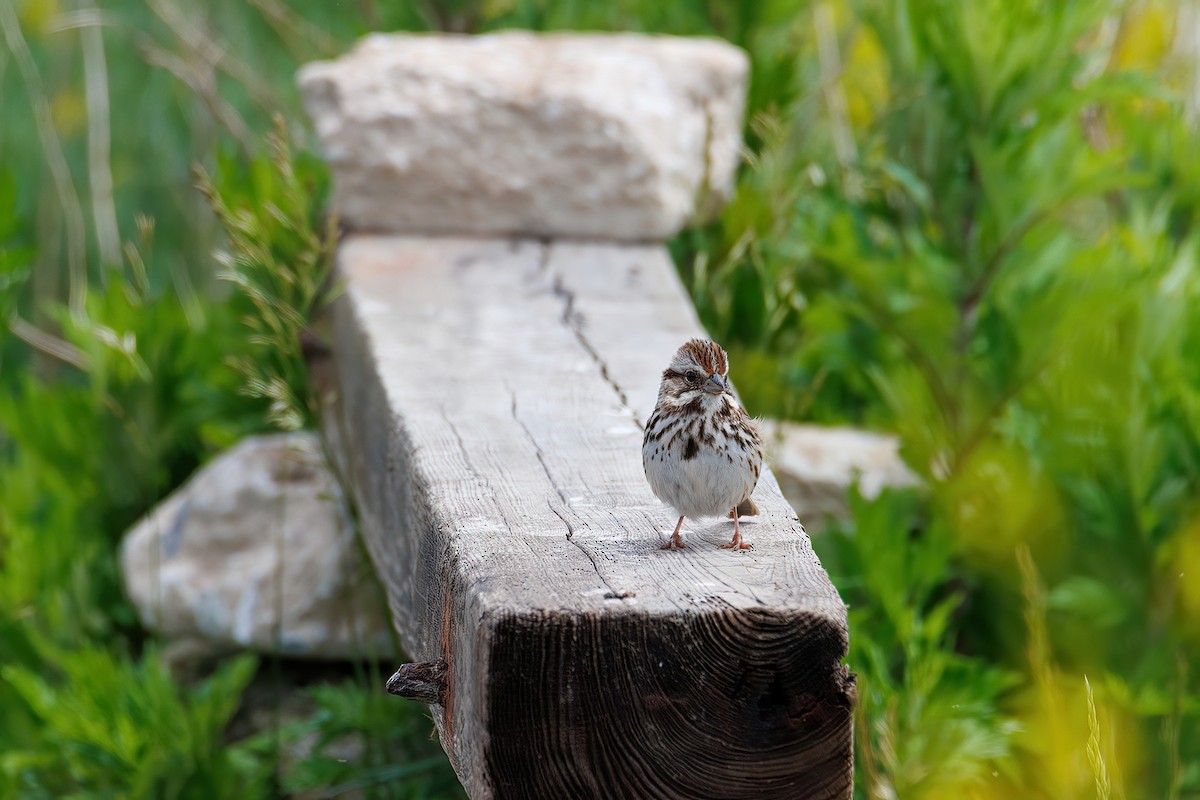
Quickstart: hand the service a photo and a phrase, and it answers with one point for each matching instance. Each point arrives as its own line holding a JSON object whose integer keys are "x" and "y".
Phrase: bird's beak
{"x": 715, "y": 384}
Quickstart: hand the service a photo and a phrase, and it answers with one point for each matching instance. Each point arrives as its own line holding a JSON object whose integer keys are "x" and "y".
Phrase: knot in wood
{"x": 423, "y": 681}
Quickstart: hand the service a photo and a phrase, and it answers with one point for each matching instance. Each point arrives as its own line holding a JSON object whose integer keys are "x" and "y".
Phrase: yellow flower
{"x": 1183, "y": 568}
{"x": 865, "y": 80}
{"x": 1145, "y": 37}
{"x": 68, "y": 109}
{"x": 35, "y": 15}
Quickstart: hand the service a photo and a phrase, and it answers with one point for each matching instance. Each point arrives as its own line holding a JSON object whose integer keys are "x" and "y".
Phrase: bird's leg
{"x": 676, "y": 540}
{"x": 736, "y": 543}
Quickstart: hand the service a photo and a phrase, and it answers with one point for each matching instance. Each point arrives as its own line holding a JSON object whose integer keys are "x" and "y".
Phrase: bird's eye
{"x": 692, "y": 376}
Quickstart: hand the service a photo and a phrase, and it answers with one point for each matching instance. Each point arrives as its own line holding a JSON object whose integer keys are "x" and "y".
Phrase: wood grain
{"x": 490, "y": 401}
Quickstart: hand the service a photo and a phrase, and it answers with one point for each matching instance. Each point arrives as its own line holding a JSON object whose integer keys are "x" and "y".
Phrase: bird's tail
{"x": 746, "y": 508}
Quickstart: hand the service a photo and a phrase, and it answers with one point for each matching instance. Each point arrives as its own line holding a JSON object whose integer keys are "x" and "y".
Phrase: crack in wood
{"x": 574, "y": 321}
{"x": 541, "y": 457}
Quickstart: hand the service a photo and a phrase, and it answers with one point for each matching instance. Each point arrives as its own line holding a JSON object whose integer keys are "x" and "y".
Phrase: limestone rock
{"x": 606, "y": 136}
{"x": 815, "y": 465}
{"x": 256, "y": 552}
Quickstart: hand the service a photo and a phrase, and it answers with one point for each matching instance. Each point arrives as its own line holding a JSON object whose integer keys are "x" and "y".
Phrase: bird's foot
{"x": 736, "y": 543}
{"x": 676, "y": 540}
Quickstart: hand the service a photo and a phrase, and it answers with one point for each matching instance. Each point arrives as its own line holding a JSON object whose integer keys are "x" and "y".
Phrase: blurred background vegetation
{"x": 973, "y": 223}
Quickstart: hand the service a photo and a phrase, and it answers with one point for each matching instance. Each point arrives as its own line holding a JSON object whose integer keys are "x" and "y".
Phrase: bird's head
{"x": 698, "y": 371}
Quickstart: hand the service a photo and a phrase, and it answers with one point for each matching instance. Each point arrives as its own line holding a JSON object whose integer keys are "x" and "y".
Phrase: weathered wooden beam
{"x": 490, "y": 395}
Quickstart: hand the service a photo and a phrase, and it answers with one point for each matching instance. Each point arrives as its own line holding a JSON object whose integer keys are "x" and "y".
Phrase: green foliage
{"x": 110, "y": 402}
{"x": 399, "y": 760}
{"x": 115, "y": 728}
{"x": 978, "y": 232}
{"x": 87, "y": 446}
{"x": 145, "y": 396}
{"x": 929, "y": 719}
{"x": 270, "y": 210}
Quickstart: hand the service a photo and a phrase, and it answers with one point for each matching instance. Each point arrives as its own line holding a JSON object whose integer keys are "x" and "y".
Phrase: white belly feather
{"x": 717, "y": 478}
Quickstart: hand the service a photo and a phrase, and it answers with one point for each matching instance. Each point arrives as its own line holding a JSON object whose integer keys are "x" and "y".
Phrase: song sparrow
{"x": 702, "y": 453}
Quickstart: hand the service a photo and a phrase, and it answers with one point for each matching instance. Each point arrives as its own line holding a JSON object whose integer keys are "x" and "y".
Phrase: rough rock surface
{"x": 619, "y": 137}
{"x": 256, "y": 552}
{"x": 815, "y": 465}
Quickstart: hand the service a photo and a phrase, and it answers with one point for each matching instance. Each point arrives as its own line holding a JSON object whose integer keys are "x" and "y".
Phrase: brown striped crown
{"x": 702, "y": 353}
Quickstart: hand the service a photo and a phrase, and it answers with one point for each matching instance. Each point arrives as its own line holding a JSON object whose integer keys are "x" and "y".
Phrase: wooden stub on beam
{"x": 491, "y": 395}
